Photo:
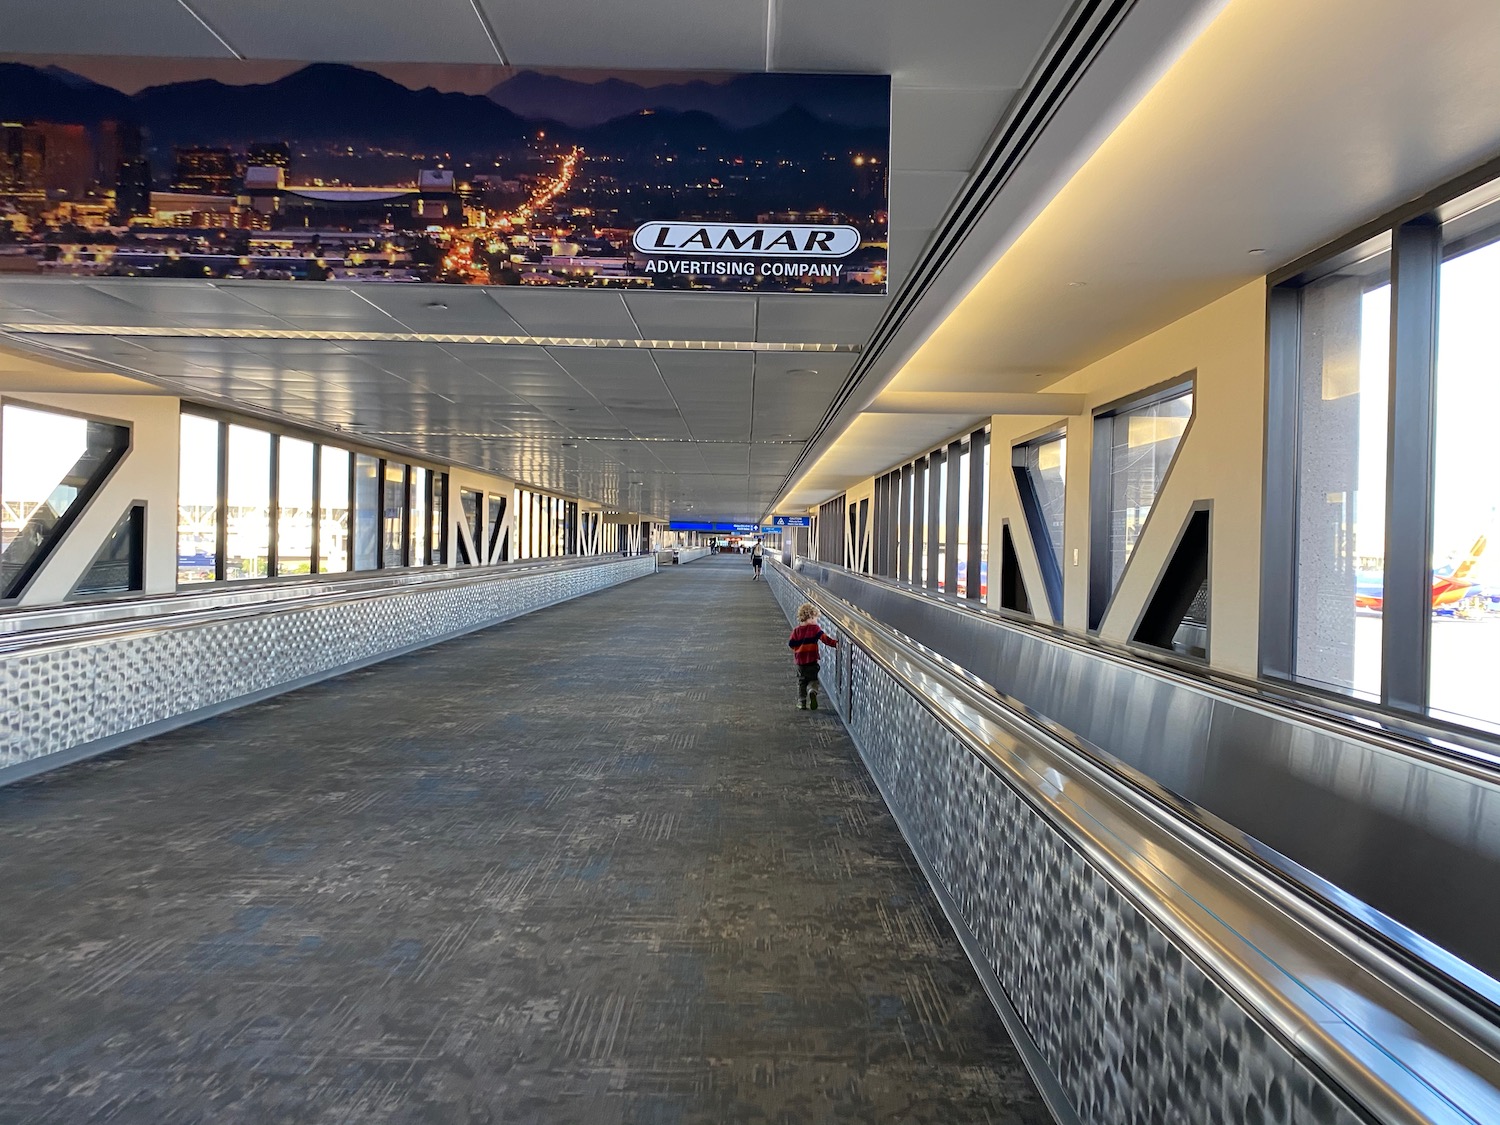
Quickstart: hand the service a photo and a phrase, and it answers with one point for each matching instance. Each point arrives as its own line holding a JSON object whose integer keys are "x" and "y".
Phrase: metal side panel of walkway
{"x": 587, "y": 866}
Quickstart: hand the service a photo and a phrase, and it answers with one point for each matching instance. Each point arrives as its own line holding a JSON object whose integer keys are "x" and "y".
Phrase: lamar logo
{"x": 738, "y": 238}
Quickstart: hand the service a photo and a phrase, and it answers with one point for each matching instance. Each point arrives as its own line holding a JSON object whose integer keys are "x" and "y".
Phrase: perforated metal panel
{"x": 1132, "y": 1028}
{"x": 66, "y": 696}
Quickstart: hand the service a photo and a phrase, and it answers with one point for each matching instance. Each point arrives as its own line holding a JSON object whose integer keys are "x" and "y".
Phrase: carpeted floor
{"x": 588, "y": 866}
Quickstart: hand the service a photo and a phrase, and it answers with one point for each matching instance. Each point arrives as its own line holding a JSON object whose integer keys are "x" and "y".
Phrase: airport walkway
{"x": 587, "y": 866}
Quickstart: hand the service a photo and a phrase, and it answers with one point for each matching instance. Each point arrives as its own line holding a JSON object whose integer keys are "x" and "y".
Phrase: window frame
{"x": 1101, "y": 586}
{"x": 54, "y": 539}
{"x": 1453, "y": 219}
{"x": 225, "y": 418}
{"x": 1051, "y": 565}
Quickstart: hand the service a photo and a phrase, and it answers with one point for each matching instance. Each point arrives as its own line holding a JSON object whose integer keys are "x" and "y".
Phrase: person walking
{"x": 755, "y": 561}
{"x": 804, "y": 645}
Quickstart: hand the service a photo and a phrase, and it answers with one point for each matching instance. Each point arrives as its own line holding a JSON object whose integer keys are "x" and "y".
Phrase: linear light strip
{"x": 521, "y": 438}
{"x": 489, "y": 30}
{"x": 162, "y": 332}
{"x": 208, "y": 27}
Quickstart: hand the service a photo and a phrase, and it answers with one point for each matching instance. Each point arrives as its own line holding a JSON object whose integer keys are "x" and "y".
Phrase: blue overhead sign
{"x": 792, "y": 521}
{"x": 730, "y": 528}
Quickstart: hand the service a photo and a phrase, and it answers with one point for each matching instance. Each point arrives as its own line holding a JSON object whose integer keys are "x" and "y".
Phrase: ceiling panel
{"x": 640, "y": 35}
{"x": 818, "y": 319}
{"x": 87, "y": 27}
{"x": 919, "y": 199}
{"x": 934, "y": 43}
{"x": 693, "y": 316}
{"x": 578, "y": 312}
{"x": 450, "y": 310}
{"x": 299, "y": 304}
{"x": 942, "y": 128}
{"x": 352, "y": 30}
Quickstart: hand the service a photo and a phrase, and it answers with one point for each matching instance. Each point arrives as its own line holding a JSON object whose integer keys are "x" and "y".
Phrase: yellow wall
{"x": 1219, "y": 460}
{"x": 147, "y": 474}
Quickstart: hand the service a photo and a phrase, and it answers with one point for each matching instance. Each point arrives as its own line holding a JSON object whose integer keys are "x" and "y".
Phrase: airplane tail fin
{"x": 1463, "y": 568}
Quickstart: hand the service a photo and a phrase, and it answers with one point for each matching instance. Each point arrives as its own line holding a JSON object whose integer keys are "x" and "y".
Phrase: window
{"x": 470, "y": 502}
{"x": 198, "y": 500}
{"x": 1378, "y": 574}
{"x": 493, "y": 540}
{"x": 119, "y": 566}
{"x": 1134, "y": 444}
{"x": 417, "y": 548}
{"x": 333, "y": 510}
{"x": 393, "y": 517}
{"x": 930, "y": 520}
{"x": 294, "y": 506}
{"x": 53, "y": 464}
{"x": 1342, "y": 403}
{"x": 962, "y": 545}
{"x": 1464, "y": 621}
{"x": 439, "y": 541}
{"x": 366, "y": 511}
{"x": 247, "y": 552}
{"x": 1041, "y": 471}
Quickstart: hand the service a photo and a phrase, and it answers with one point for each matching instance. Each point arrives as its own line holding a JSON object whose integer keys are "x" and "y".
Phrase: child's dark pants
{"x": 807, "y": 677}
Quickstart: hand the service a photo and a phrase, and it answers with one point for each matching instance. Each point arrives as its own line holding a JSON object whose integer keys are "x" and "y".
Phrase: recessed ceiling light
{"x": 436, "y": 305}
{"x": 1258, "y": 250}
{"x": 1077, "y": 284}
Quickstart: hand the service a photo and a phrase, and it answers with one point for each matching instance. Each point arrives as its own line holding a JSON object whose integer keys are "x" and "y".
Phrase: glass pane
{"x": 469, "y": 500}
{"x": 294, "y": 507}
{"x": 491, "y": 528}
{"x": 393, "y": 508}
{"x": 1465, "y": 622}
{"x": 439, "y": 506}
{"x": 939, "y": 528}
{"x": 1345, "y": 375}
{"x": 51, "y": 464}
{"x": 197, "y": 499}
{"x": 118, "y": 566}
{"x": 984, "y": 527}
{"x": 249, "y": 489}
{"x": 418, "y": 548}
{"x": 523, "y": 521}
{"x": 366, "y": 511}
{"x": 963, "y": 523}
{"x": 1144, "y": 441}
{"x": 1046, "y": 466}
{"x": 333, "y": 511}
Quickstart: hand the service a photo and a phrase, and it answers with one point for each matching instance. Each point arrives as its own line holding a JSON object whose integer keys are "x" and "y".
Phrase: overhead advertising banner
{"x": 387, "y": 172}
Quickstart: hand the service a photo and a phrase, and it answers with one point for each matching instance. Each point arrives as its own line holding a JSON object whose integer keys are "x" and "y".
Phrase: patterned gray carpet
{"x": 588, "y": 866}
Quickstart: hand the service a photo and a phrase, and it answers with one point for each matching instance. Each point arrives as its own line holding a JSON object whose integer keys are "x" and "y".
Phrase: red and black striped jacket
{"x": 804, "y": 642}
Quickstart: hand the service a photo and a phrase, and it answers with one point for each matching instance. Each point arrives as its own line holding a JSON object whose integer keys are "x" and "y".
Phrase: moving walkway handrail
{"x": 145, "y": 616}
{"x": 1431, "y": 740}
{"x": 1424, "y": 955}
{"x": 1402, "y": 1047}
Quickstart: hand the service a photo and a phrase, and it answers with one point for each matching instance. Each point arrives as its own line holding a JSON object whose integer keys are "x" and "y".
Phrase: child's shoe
{"x": 812, "y": 701}
{"x": 802, "y": 705}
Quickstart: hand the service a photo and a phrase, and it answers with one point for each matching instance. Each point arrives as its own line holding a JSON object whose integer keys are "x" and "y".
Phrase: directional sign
{"x": 792, "y": 521}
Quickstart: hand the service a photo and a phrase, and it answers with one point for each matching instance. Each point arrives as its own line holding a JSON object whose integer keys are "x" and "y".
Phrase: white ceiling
{"x": 716, "y": 421}
{"x": 1280, "y": 127}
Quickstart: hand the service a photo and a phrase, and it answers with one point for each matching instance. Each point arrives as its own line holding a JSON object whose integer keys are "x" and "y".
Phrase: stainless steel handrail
{"x": 1370, "y": 906}
{"x": 1466, "y": 751}
{"x": 1403, "y": 1048}
{"x": 62, "y": 626}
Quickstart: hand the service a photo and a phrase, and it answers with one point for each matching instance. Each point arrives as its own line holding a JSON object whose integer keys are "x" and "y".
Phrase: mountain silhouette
{"x": 327, "y": 102}
{"x": 330, "y": 105}
{"x": 28, "y": 93}
{"x": 860, "y": 101}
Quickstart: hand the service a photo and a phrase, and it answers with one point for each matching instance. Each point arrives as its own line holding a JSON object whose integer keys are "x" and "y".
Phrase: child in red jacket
{"x": 804, "y": 646}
